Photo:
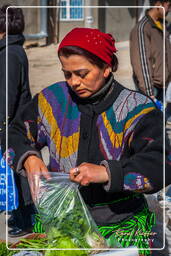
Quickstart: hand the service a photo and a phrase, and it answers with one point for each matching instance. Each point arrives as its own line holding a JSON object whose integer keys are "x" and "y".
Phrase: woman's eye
{"x": 83, "y": 75}
{"x": 67, "y": 75}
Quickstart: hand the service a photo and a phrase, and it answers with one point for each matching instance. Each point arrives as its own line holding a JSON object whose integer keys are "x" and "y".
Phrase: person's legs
{"x": 23, "y": 217}
{"x": 23, "y": 214}
{"x": 158, "y": 93}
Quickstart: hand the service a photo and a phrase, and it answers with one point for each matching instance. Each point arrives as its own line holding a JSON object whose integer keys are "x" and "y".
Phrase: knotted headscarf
{"x": 93, "y": 40}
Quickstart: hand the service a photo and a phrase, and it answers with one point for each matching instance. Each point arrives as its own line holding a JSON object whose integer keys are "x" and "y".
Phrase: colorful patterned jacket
{"x": 123, "y": 131}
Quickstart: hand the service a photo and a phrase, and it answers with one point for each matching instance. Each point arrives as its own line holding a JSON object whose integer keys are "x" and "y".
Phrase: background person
{"x": 18, "y": 95}
{"x": 108, "y": 138}
{"x": 146, "y": 51}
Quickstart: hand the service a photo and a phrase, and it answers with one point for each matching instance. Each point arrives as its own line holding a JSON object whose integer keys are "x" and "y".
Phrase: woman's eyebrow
{"x": 64, "y": 70}
{"x": 78, "y": 70}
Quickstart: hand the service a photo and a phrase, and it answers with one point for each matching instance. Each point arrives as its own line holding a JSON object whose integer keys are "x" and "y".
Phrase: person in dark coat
{"x": 18, "y": 80}
{"x": 18, "y": 95}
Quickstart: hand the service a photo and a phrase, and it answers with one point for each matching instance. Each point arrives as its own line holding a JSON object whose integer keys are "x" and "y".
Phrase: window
{"x": 70, "y": 13}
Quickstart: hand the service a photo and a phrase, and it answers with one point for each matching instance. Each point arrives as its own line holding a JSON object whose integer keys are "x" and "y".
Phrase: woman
{"x": 108, "y": 138}
{"x": 18, "y": 95}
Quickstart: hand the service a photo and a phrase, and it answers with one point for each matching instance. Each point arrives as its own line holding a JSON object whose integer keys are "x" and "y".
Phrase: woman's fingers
{"x": 45, "y": 172}
{"x": 35, "y": 168}
{"x": 77, "y": 177}
{"x": 34, "y": 165}
{"x": 74, "y": 173}
{"x": 87, "y": 173}
{"x": 84, "y": 183}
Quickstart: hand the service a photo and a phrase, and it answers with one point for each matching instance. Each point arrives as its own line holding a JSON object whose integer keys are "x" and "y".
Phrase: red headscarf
{"x": 92, "y": 40}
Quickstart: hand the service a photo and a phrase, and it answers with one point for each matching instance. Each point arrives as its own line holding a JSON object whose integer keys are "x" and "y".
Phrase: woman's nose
{"x": 75, "y": 80}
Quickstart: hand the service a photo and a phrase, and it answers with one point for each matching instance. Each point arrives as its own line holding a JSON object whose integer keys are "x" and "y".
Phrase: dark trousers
{"x": 158, "y": 93}
{"x": 23, "y": 216}
{"x": 168, "y": 110}
{"x": 24, "y": 213}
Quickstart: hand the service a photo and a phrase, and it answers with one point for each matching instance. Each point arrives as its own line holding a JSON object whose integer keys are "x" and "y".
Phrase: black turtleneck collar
{"x": 102, "y": 93}
{"x": 101, "y": 100}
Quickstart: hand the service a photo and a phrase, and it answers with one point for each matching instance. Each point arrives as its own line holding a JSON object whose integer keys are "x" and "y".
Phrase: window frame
{"x": 68, "y": 6}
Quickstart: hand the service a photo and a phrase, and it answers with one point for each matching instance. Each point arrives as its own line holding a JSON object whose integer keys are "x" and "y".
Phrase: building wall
{"x": 119, "y": 20}
{"x": 66, "y": 26}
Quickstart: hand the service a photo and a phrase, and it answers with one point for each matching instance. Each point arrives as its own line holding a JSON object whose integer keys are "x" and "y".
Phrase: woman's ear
{"x": 107, "y": 71}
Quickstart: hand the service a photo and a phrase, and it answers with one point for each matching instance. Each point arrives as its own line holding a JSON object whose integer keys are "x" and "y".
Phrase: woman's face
{"x": 84, "y": 78}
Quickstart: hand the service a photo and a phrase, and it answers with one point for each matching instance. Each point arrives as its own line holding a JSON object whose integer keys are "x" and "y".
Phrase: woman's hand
{"x": 87, "y": 173}
{"x": 34, "y": 165}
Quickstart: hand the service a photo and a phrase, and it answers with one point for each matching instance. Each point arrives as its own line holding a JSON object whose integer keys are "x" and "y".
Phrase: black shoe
{"x": 15, "y": 232}
{"x": 11, "y": 222}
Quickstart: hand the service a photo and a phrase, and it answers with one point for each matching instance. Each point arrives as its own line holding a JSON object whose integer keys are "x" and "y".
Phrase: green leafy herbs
{"x": 4, "y": 250}
{"x": 60, "y": 242}
{"x": 36, "y": 243}
{"x": 66, "y": 221}
{"x": 65, "y": 216}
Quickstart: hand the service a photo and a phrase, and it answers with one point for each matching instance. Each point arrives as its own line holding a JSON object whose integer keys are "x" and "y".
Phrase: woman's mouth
{"x": 79, "y": 92}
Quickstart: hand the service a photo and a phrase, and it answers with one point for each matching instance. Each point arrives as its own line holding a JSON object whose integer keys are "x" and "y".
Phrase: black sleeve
{"x": 14, "y": 73}
{"x": 141, "y": 170}
{"x": 22, "y": 134}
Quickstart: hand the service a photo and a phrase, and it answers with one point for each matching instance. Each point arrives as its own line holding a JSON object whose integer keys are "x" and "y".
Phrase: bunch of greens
{"x": 35, "y": 243}
{"x": 60, "y": 242}
{"x": 4, "y": 251}
{"x": 66, "y": 219}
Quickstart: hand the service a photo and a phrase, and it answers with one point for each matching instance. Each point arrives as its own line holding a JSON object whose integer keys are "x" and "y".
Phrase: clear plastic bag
{"x": 64, "y": 215}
